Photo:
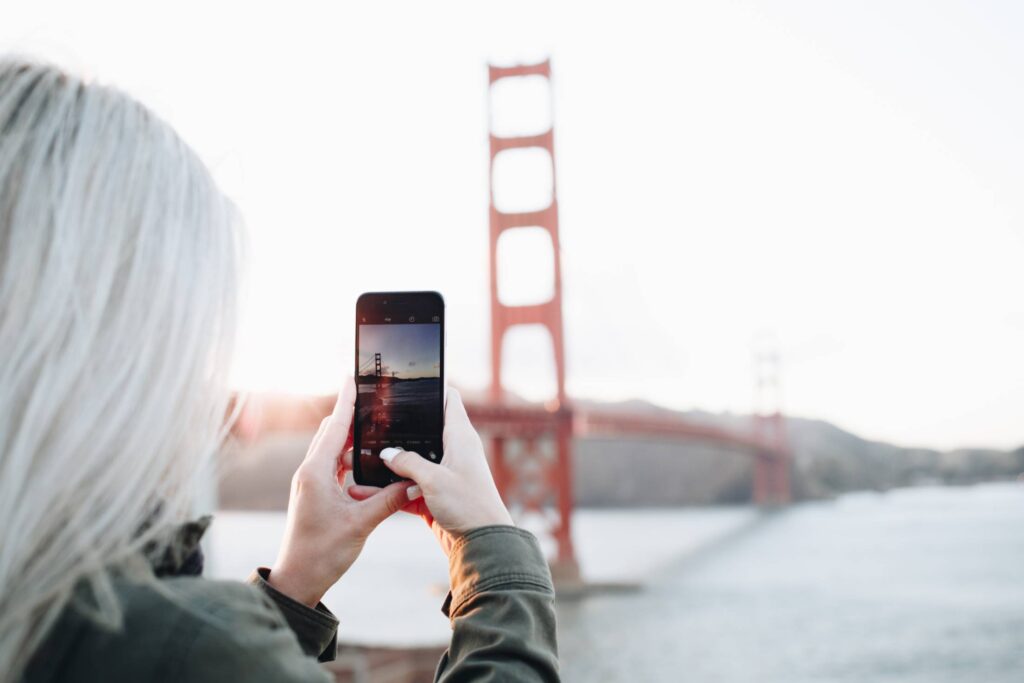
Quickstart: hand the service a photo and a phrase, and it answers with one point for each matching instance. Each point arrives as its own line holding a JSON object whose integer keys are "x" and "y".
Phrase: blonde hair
{"x": 118, "y": 268}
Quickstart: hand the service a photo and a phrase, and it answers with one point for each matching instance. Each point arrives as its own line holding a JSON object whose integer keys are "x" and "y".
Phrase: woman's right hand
{"x": 453, "y": 496}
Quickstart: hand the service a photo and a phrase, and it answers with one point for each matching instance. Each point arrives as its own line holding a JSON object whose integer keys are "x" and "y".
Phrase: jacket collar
{"x": 181, "y": 554}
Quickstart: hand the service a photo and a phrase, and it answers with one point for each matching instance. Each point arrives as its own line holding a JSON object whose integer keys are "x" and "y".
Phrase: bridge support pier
{"x": 771, "y": 486}
{"x": 532, "y": 467}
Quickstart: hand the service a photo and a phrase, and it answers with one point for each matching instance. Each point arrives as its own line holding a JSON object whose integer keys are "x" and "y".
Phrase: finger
{"x": 344, "y": 470}
{"x": 456, "y": 423}
{"x": 454, "y": 409}
{"x": 361, "y": 492}
{"x": 319, "y": 434}
{"x": 332, "y": 441}
{"x": 408, "y": 464}
{"x": 414, "y": 506}
{"x": 385, "y": 502}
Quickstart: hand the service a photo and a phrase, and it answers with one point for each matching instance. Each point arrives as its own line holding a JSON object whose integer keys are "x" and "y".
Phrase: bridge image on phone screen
{"x": 399, "y": 380}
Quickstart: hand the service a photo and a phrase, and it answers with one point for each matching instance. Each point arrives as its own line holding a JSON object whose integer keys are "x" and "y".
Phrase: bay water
{"x": 908, "y": 586}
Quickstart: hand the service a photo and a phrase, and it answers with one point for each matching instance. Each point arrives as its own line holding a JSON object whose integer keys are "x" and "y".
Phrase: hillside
{"x": 643, "y": 472}
{"x": 826, "y": 461}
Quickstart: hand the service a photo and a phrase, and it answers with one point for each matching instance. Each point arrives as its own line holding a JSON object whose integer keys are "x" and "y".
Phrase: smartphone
{"x": 400, "y": 385}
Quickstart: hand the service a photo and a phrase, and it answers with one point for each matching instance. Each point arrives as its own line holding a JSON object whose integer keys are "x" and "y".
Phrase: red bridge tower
{"x": 536, "y": 476}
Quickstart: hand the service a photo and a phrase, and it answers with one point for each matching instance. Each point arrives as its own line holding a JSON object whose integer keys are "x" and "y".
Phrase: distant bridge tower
{"x": 772, "y": 464}
{"x": 376, "y": 365}
{"x": 532, "y": 460}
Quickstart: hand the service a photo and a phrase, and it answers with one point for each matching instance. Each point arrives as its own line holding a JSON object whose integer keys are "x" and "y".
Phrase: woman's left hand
{"x": 326, "y": 527}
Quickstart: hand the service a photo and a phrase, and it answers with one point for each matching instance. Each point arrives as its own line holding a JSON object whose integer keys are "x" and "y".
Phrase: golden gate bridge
{"x": 531, "y": 445}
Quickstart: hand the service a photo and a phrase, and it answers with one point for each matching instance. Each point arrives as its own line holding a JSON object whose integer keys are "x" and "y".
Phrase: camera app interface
{"x": 400, "y": 396}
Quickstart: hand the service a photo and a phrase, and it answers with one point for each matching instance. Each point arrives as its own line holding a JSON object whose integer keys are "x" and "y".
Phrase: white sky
{"x": 844, "y": 176}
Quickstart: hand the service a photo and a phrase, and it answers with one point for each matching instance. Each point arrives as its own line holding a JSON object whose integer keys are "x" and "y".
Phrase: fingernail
{"x": 388, "y": 454}
{"x": 414, "y": 492}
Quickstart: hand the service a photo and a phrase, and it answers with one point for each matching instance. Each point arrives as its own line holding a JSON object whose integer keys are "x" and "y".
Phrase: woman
{"x": 118, "y": 262}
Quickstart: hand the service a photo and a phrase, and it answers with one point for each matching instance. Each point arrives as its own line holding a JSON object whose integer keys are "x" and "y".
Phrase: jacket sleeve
{"x": 501, "y": 607}
{"x": 316, "y": 629}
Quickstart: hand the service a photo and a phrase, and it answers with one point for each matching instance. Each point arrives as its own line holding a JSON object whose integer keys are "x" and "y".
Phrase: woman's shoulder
{"x": 191, "y": 601}
{"x": 173, "y": 629}
{"x": 225, "y": 630}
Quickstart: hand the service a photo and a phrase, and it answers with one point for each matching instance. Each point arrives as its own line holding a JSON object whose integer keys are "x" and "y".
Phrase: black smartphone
{"x": 400, "y": 387}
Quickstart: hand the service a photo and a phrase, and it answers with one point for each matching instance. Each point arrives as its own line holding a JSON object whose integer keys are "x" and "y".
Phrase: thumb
{"x": 408, "y": 464}
{"x": 334, "y": 431}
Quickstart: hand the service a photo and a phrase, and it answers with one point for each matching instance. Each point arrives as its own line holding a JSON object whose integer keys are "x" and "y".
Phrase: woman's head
{"x": 118, "y": 262}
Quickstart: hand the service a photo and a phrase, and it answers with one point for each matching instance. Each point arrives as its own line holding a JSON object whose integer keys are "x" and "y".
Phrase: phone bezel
{"x": 429, "y": 301}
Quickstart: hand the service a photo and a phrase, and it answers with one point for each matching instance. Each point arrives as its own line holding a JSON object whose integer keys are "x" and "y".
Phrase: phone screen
{"x": 399, "y": 380}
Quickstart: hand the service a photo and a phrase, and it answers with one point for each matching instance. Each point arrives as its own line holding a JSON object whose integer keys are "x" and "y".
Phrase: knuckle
{"x": 394, "y": 502}
{"x": 434, "y": 480}
{"x": 406, "y": 459}
{"x": 427, "y": 484}
{"x": 303, "y": 475}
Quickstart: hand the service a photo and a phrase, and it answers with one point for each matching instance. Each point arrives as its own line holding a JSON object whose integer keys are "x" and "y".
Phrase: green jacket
{"x": 186, "y": 628}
